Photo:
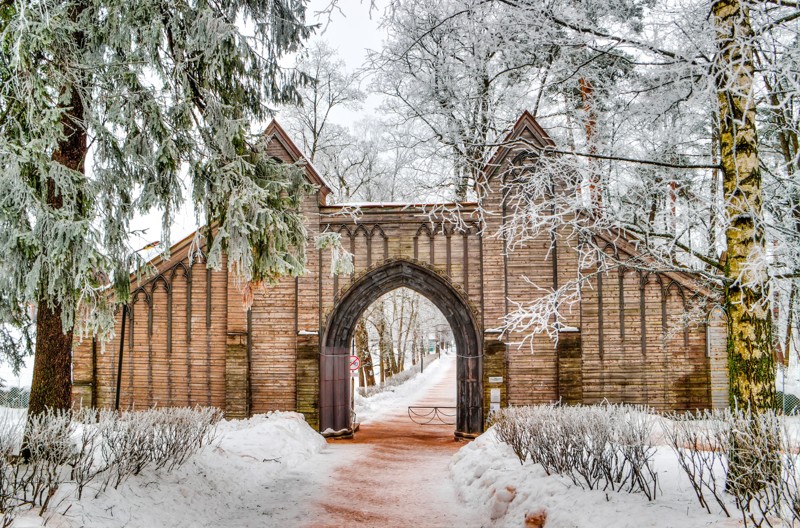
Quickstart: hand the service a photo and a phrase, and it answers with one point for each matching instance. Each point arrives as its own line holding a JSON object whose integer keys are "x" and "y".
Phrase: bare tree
{"x": 396, "y": 323}
{"x": 451, "y": 68}
{"x": 332, "y": 87}
{"x": 626, "y": 86}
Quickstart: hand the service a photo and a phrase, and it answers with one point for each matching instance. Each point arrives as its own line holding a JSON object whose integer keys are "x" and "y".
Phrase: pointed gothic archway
{"x": 334, "y": 397}
{"x": 195, "y": 344}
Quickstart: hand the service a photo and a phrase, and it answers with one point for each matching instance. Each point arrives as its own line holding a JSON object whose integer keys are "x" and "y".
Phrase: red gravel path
{"x": 398, "y": 476}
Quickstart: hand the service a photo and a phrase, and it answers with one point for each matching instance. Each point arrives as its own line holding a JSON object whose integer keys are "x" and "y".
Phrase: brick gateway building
{"x": 188, "y": 340}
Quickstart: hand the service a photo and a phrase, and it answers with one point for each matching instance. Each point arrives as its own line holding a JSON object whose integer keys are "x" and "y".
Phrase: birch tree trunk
{"x": 750, "y": 361}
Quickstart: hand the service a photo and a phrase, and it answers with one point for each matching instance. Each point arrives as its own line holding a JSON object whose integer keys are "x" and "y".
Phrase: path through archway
{"x": 335, "y": 411}
{"x": 395, "y": 473}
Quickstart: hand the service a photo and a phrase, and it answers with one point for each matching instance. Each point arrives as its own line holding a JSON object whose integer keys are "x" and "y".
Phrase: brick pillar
{"x": 237, "y": 378}
{"x": 494, "y": 373}
{"x": 308, "y": 378}
{"x": 570, "y": 367}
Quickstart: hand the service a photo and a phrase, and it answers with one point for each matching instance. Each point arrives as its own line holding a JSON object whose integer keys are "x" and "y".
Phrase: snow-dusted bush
{"x": 510, "y": 426}
{"x": 10, "y": 435}
{"x": 178, "y": 433}
{"x": 88, "y": 446}
{"x": 598, "y": 447}
{"x": 747, "y": 459}
{"x": 49, "y": 446}
{"x": 166, "y": 437}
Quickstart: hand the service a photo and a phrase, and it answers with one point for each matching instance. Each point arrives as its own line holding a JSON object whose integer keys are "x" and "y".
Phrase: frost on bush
{"x": 598, "y": 447}
{"x": 97, "y": 448}
{"x": 749, "y": 459}
{"x": 163, "y": 438}
{"x": 10, "y": 437}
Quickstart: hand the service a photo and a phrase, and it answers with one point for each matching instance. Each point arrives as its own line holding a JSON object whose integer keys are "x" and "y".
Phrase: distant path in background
{"x": 397, "y": 472}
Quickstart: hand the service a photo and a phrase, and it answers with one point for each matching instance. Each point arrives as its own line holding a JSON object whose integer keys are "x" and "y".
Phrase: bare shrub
{"x": 165, "y": 438}
{"x": 548, "y": 445}
{"x": 790, "y": 477}
{"x": 754, "y": 465}
{"x": 749, "y": 459}
{"x": 598, "y": 447}
{"x": 49, "y": 446}
{"x": 83, "y": 463}
{"x": 178, "y": 433}
{"x": 89, "y": 446}
{"x": 510, "y": 427}
{"x": 124, "y": 444}
{"x": 634, "y": 440}
{"x": 700, "y": 443}
{"x": 10, "y": 439}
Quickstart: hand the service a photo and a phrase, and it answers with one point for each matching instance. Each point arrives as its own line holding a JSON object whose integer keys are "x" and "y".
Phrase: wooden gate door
{"x": 335, "y": 416}
{"x": 469, "y": 419}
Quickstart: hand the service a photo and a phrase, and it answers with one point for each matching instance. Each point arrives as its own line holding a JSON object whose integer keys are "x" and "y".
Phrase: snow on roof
{"x": 526, "y": 121}
{"x": 275, "y": 131}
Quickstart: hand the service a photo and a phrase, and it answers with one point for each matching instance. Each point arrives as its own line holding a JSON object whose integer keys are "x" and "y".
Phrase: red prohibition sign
{"x": 354, "y": 363}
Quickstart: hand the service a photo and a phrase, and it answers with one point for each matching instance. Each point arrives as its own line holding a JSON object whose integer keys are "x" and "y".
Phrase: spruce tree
{"x": 106, "y": 108}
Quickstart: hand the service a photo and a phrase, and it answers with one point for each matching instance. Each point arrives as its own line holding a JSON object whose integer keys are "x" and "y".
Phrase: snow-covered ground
{"x": 259, "y": 472}
{"x": 274, "y": 470}
{"x": 264, "y": 471}
{"x": 376, "y": 407}
{"x": 487, "y": 472}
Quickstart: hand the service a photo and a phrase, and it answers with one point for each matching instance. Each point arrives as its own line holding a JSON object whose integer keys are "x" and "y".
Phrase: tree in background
{"x": 398, "y": 325}
{"x": 366, "y": 372}
{"x": 331, "y": 87}
{"x": 103, "y": 107}
{"x": 679, "y": 147}
{"x": 656, "y": 107}
{"x": 455, "y": 70}
{"x": 366, "y": 160}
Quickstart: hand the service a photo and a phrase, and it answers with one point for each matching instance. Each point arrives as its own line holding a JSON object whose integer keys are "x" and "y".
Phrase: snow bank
{"x": 487, "y": 472}
{"x": 244, "y": 476}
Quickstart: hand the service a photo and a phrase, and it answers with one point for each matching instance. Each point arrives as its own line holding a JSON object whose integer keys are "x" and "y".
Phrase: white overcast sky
{"x": 351, "y": 29}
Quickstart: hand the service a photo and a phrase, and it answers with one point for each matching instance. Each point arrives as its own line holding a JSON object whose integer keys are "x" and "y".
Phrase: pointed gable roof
{"x": 281, "y": 147}
{"x": 525, "y": 132}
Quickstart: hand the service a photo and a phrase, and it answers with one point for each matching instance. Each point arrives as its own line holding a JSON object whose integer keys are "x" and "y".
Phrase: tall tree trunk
{"x": 364, "y": 355}
{"x": 391, "y": 363}
{"x": 750, "y": 360}
{"x": 401, "y": 329}
{"x": 406, "y": 336}
{"x": 52, "y": 384}
{"x": 380, "y": 327}
{"x": 52, "y": 380}
{"x": 390, "y": 355}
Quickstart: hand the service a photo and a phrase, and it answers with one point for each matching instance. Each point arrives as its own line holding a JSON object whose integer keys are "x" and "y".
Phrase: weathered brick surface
{"x": 189, "y": 340}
